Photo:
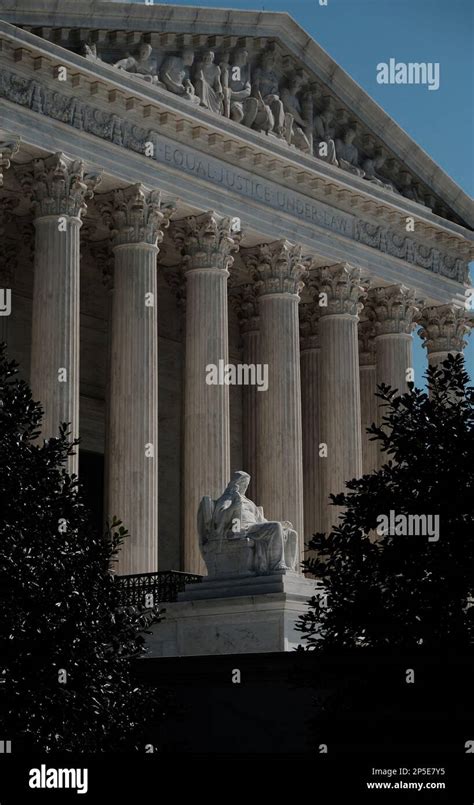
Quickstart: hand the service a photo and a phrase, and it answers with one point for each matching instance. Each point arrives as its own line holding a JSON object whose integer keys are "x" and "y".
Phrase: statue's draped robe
{"x": 275, "y": 543}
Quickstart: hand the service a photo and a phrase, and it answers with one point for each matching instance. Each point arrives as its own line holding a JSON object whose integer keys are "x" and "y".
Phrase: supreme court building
{"x": 185, "y": 188}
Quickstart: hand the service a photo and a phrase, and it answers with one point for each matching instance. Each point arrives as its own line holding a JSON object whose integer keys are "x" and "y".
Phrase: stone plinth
{"x": 256, "y": 614}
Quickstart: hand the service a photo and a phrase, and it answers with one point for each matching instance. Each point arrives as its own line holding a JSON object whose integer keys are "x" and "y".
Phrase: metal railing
{"x": 151, "y": 589}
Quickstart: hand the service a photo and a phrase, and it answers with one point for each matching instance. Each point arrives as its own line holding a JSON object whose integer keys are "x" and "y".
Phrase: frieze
{"x": 399, "y": 245}
{"x": 109, "y": 126}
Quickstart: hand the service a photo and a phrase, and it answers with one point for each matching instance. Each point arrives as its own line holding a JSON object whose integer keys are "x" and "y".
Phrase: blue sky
{"x": 359, "y": 34}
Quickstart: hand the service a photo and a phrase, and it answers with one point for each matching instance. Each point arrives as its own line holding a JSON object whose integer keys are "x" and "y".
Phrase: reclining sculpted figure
{"x": 235, "y": 538}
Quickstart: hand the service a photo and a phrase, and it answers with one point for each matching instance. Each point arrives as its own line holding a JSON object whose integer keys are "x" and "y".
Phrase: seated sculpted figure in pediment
{"x": 207, "y": 80}
{"x": 174, "y": 76}
{"x": 141, "y": 64}
{"x": 235, "y": 538}
{"x": 347, "y": 153}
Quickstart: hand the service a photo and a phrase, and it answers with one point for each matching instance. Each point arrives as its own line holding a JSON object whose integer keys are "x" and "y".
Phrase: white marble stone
{"x": 240, "y": 617}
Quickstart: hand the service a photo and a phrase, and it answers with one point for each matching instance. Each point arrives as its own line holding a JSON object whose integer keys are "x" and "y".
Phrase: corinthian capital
{"x": 135, "y": 214}
{"x": 244, "y": 300}
{"x": 277, "y": 267}
{"x": 395, "y": 309}
{"x": 206, "y": 241}
{"x": 444, "y": 328}
{"x": 8, "y": 147}
{"x": 341, "y": 289}
{"x": 57, "y": 185}
{"x": 309, "y": 314}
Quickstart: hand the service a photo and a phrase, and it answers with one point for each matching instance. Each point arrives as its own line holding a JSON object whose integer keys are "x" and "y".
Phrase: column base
{"x": 234, "y": 616}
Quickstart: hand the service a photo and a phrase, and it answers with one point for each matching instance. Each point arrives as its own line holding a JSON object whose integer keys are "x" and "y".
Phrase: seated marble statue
{"x": 207, "y": 80}
{"x": 297, "y": 128}
{"x": 408, "y": 189}
{"x": 174, "y": 76}
{"x": 347, "y": 153}
{"x": 371, "y": 166}
{"x": 141, "y": 65}
{"x": 239, "y": 105}
{"x": 236, "y": 539}
{"x": 266, "y": 88}
{"x": 323, "y": 137}
{"x": 89, "y": 51}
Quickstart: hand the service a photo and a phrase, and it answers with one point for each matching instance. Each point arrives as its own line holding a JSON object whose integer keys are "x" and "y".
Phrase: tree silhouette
{"x": 403, "y": 589}
{"x": 66, "y": 641}
{"x": 394, "y": 636}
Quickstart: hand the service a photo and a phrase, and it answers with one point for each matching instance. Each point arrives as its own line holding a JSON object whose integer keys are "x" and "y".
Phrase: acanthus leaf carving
{"x": 57, "y": 185}
{"x": 277, "y": 268}
{"x": 135, "y": 214}
{"x": 206, "y": 241}
{"x": 341, "y": 289}
{"x": 444, "y": 328}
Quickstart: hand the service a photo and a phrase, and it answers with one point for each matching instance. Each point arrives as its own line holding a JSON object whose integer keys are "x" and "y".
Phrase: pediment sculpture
{"x": 236, "y": 539}
{"x": 257, "y": 93}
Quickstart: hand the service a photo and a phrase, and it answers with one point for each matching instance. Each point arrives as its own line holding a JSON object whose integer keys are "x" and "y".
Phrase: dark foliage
{"x": 66, "y": 643}
{"x": 402, "y": 591}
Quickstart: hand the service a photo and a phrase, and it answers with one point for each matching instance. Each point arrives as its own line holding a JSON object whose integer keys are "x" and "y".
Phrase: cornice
{"x": 119, "y": 94}
{"x": 198, "y": 26}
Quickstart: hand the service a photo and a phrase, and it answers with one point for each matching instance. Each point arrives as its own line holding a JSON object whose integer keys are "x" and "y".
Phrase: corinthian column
{"x": 206, "y": 242}
{"x": 58, "y": 187}
{"x": 368, "y": 400}
{"x": 245, "y": 300}
{"x": 311, "y": 411}
{"x": 443, "y": 331}
{"x": 395, "y": 311}
{"x": 279, "y": 270}
{"x": 340, "y": 295}
{"x": 136, "y": 217}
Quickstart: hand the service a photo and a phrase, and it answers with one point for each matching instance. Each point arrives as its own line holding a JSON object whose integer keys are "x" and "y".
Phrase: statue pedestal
{"x": 252, "y": 614}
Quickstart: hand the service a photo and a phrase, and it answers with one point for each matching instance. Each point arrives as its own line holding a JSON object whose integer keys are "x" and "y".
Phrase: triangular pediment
{"x": 319, "y": 110}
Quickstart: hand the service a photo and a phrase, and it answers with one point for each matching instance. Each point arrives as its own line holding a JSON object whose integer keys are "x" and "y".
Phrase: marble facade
{"x": 165, "y": 205}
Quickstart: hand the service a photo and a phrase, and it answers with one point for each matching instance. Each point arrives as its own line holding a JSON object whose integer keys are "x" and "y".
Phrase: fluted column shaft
{"x": 340, "y": 392}
{"x": 58, "y": 188}
{"x": 206, "y": 417}
{"x": 394, "y": 356}
{"x": 133, "y": 414}
{"x": 55, "y": 330}
{"x": 206, "y": 243}
{"x": 279, "y": 270}
{"x": 311, "y": 411}
{"x": 137, "y": 217}
{"x": 368, "y": 388}
{"x": 250, "y": 402}
{"x": 368, "y": 407}
{"x": 394, "y": 311}
{"x": 280, "y": 457}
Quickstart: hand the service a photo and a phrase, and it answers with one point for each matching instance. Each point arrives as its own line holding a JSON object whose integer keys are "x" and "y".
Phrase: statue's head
{"x": 208, "y": 57}
{"x": 349, "y": 134}
{"x": 240, "y": 480}
{"x": 241, "y": 57}
{"x": 406, "y": 178}
{"x": 188, "y": 57}
{"x": 268, "y": 59}
{"x": 379, "y": 159}
{"x": 144, "y": 51}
